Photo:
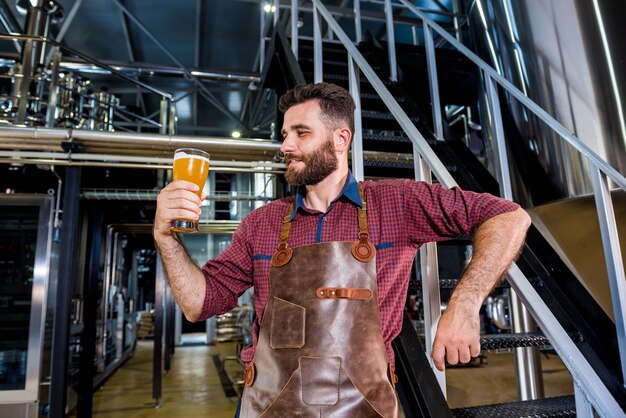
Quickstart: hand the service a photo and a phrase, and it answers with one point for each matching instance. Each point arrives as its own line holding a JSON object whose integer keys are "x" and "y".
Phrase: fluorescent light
{"x": 236, "y": 134}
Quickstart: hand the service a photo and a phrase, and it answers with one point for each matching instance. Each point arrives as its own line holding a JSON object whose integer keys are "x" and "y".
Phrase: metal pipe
{"x": 391, "y": 41}
{"x": 51, "y": 113}
{"x": 108, "y": 160}
{"x": 136, "y": 70}
{"x": 149, "y": 195}
{"x": 130, "y": 139}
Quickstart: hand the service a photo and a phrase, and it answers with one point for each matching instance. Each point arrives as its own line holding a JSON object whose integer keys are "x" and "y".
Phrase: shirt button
{"x": 324, "y": 219}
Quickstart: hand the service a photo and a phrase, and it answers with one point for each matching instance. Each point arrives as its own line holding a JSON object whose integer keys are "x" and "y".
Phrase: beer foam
{"x": 183, "y": 154}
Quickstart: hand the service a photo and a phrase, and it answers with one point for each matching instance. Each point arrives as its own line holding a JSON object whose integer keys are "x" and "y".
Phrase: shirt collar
{"x": 350, "y": 191}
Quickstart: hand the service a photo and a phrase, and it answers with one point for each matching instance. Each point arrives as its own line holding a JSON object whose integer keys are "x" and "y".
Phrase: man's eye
{"x": 300, "y": 133}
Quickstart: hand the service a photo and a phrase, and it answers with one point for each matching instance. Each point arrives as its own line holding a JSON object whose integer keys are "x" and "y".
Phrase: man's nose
{"x": 287, "y": 145}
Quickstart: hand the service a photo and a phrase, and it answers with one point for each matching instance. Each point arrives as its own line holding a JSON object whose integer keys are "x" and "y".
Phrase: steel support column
{"x": 354, "y": 76}
{"x": 391, "y": 41}
{"x": 157, "y": 358}
{"x": 318, "y": 63}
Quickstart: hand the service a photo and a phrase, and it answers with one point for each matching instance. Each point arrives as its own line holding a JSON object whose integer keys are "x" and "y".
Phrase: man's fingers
{"x": 475, "y": 349}
{"x": 438, "y": 354}
{"x": 464, "y": 355}
{"x": 452, "y": 356}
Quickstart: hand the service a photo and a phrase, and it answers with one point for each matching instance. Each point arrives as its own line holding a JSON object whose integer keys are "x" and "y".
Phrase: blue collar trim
{"x": 350, "y": 191}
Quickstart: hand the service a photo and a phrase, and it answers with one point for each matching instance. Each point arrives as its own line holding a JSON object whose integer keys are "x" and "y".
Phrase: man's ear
{"x": 343, "y": 136}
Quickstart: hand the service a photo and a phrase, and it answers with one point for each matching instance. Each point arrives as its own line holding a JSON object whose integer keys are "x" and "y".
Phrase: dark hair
{"x": 335, "y": 102}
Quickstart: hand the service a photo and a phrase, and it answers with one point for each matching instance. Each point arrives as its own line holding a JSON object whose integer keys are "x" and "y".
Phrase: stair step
{"x": 531, "y": 339}
{"x": 560, "y": 406}
{"x": 506, "y": 341}
{"x": 374, "y": 114}
{"x": 340, "y": 77}
{"x": 393, "y": 136}
{"x": 374, "y": 96}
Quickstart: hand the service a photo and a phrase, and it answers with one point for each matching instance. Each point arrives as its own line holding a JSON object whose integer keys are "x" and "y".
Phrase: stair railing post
{"x": 391, "y": 41}
{"x": 527, "y": 360}
{"x": 433, "y": 80}
{"x": 354, "y": 76}
{"x": 429, "y": 272}
{"x": 164, "y": 115}
{"x": 583, "y": 406}
{"x": 613, "y": 257}
{"x": 358, "y": 31}
{"x": 261, "y": 36}
{"x": 318, "y": 64}
{"x": 276, "y": 11}
{"x": 294, "y": 28}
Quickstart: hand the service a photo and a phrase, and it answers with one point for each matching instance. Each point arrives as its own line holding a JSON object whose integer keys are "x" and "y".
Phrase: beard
{"x": 318, "y": 165}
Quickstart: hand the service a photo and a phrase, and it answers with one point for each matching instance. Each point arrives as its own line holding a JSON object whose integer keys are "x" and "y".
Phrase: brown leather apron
{"x": 320, "y": 351}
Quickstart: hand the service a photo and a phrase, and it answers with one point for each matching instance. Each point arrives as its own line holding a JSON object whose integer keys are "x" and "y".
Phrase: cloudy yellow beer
{"x": 190, "y": 165}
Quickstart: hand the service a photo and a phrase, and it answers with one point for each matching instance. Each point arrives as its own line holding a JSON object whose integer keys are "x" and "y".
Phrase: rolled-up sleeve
{"x": 435, "y": 213}
{"x": 229, "y": 275}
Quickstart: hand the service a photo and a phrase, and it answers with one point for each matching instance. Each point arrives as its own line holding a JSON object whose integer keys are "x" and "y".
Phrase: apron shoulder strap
{"x": 362, "y": 249}
{"x": 283, "y": 252}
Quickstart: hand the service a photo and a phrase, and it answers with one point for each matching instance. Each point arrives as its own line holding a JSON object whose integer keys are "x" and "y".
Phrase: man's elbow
{"x": 191, "y": 315}
{"x": 523, "y": 218}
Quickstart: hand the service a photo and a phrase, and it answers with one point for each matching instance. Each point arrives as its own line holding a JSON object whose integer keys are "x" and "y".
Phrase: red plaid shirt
{"x": 401, "y": 214}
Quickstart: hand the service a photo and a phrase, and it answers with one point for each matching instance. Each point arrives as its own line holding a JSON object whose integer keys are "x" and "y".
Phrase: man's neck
{"x": 320, "y": 196}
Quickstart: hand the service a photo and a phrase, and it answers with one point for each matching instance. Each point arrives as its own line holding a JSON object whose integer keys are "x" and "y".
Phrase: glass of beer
{"x": 190, "y": 165}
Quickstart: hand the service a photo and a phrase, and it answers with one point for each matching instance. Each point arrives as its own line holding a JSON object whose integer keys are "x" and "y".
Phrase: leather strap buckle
{"x": 249, "y": 374}
{"x": 353, "y": 293}
{"x": 393, "y": 379}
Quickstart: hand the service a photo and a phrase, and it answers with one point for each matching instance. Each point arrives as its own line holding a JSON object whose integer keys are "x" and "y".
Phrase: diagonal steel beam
{"x": 10, "y": 23}
{"x": 131, "y": 56}
{"x": 67, "y": 22}
{"x": 206, "y": 93}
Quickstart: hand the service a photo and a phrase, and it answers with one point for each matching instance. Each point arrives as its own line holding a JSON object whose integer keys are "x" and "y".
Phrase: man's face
{"x": 308, "y": 145}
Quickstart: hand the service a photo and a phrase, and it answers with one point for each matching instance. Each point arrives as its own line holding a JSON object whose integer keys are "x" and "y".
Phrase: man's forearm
{"x": 185, "y": 277}
{"x": 497, "y": 243}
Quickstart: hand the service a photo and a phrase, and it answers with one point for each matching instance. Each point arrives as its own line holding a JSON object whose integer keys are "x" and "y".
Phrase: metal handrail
{"x": 586, "y": 380}
{"x": 572, "y": 139}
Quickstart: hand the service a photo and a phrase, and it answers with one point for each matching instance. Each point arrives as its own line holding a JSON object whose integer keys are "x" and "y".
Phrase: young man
{"x": 331, "y": 266}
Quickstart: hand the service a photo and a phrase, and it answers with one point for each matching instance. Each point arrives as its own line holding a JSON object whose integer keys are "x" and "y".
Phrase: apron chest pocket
{"x": 287, "y": 326}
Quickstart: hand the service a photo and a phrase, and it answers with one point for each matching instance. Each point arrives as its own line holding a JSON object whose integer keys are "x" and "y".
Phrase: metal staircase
{"x": 398, "y": 140}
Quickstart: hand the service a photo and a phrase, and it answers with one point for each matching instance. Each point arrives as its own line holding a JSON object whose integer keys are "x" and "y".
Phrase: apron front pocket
{"x": 320, "y": 380}
{"x": 287, "y": 326}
